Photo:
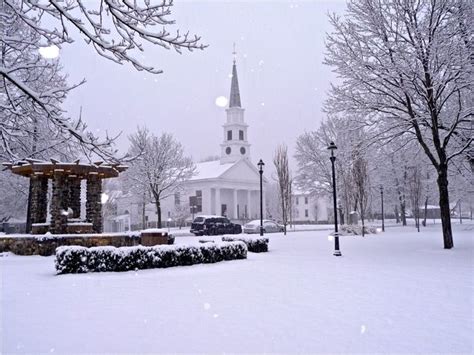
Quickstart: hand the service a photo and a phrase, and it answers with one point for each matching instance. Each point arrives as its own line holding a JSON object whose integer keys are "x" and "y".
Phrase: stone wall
{"x": 46, "y": 245}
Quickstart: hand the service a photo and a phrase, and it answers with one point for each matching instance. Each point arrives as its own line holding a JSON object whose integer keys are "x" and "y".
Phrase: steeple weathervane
{"x": 234, "y": 53}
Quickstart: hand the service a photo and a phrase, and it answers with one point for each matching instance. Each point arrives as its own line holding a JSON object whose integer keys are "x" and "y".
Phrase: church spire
{"x": 234, "y": 87}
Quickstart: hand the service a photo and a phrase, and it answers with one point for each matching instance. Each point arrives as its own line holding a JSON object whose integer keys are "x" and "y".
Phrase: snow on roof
{"x": 298, "y": 191}
{"x": 210, "y": 170}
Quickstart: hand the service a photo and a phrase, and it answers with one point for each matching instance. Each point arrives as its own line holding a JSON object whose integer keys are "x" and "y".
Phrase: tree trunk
{"x": 444, "y": 206}
{"x": 397, "y": 217}
{"x": 460, "y": 213}
{"x": 426, "y": 211}
{"x": 403, "y": 212}
{"x": 143, "y": 214}
{"x": 158, "y": 212}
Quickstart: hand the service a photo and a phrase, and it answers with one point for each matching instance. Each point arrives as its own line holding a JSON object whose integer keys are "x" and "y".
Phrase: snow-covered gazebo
{"x": 66, "y": 193}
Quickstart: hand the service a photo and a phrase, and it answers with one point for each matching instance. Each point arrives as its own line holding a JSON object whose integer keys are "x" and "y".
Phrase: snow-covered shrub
{"x": 167, "y": 256}
{"x": 71, "y": 259}
{"x": 74, "y": 259}
{"x": 189, "y": 255}
{"x": 357, "y": 230}
{"x": 211, "y": 253}
{"x": 131, "y": 258}
{"x": 254, "y": 244}
{"x": 233, "y": 250}
{"x": 102, "y": 259}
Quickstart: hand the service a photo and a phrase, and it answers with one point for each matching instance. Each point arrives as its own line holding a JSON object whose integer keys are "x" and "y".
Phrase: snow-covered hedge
{"x": 357, "y": 230}
{"x": 254, "y": 244}
{"x": 76, "y": 259}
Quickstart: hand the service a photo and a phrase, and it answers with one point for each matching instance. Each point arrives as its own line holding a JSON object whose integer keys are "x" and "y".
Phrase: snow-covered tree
{"x": 415, "y": 188}
{"x": 406, "y": 68}
{"x": 284, "y": 181}
{"x": 314, "y": 166}
{"x": 360, "y": 176}
{"x": 181, "y": 212}
{"x": 31, "y": 87}
{"x": 162, "y": 166}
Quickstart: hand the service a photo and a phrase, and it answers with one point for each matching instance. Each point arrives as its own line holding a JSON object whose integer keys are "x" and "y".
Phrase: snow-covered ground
{"x": 392, "y": 292}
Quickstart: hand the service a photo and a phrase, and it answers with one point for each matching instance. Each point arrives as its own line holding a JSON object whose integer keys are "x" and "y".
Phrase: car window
{"x": 198, "y": 220}
{"x": 225, "y": 220}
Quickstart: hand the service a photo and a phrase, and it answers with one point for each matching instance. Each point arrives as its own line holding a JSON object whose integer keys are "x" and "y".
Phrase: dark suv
{"x": 214, "y": 225}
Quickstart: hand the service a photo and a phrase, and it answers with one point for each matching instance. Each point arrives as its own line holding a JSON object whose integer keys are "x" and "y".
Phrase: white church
{"x": 229, "y": 186}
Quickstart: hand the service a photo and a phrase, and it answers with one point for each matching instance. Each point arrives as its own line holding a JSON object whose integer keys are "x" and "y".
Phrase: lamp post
{"x": 383, "y": 217}
{"x": 260, "y": 170}
{"x": 332, "y": 147}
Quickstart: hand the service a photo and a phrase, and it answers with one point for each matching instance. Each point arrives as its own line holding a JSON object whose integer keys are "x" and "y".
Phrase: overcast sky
{"x": 280, "y": 49}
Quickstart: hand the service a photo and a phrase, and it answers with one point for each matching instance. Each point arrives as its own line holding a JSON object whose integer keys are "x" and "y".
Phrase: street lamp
{"x": 260, "y": 170}
{"x": 381, "y": 197}
{"x": 332, "y": 147}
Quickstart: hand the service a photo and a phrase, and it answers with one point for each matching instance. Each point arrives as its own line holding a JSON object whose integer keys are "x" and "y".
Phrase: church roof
{"x": 210, "y": 170}
{"x": 234, "y": 89}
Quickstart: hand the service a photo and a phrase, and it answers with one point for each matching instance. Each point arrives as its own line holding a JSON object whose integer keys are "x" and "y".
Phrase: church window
{"x": 229, "y": 135}
{"x": 306, "y": 200}
{"x": 242, "y": 150}
{"x": 297, "y": 201}
{"x": 241, "y": 135}
{"x": 228, "y": 150}
{"x": 177, "y": 199}
{"x": 197, "y": 200}
{"x": 306, "y": 213}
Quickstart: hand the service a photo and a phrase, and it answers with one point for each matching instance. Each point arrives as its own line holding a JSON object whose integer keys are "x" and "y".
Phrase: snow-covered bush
{"x": 71, "y": 259}
{"x": 74, "y": 259}
{"x": 357, "y": 230}
{"x": 254, "y": 244}
{"x": 100, "y": 258}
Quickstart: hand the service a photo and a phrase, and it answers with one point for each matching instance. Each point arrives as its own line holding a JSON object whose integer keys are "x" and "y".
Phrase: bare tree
{"x": 284, "y": 180}
{"x": 162, "y": 167}
{"x": 415, "y": 187}
{"x": 314, "y": 167}
{"x": 181, "y": 213}
{"x": 361, "y": 184}
{"x": 407, "y": 67}
{"x": 31, "y": 87}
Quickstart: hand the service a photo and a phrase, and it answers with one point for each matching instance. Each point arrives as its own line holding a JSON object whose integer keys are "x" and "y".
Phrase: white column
{"x": 235, "y": 204}
{"x": 218, "y": 202}
{"x": 249, "y": 203}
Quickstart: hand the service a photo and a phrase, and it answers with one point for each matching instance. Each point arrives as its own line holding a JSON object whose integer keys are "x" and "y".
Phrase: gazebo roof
{"x": 29, "y": 167}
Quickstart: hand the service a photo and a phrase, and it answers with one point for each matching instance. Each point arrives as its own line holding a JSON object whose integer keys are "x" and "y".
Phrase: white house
{"x": 308, "y": 208}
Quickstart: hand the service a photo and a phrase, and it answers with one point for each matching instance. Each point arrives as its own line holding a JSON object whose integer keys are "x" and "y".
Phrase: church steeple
{"x": 234, "y": 89}
{"x": 235, "y": 145}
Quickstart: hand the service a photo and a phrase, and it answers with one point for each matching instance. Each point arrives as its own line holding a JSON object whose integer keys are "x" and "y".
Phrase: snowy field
{"x": 392, "y": 292}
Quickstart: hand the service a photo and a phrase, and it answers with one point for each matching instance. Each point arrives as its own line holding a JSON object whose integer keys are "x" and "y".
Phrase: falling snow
{"x": 397, "y": 291}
